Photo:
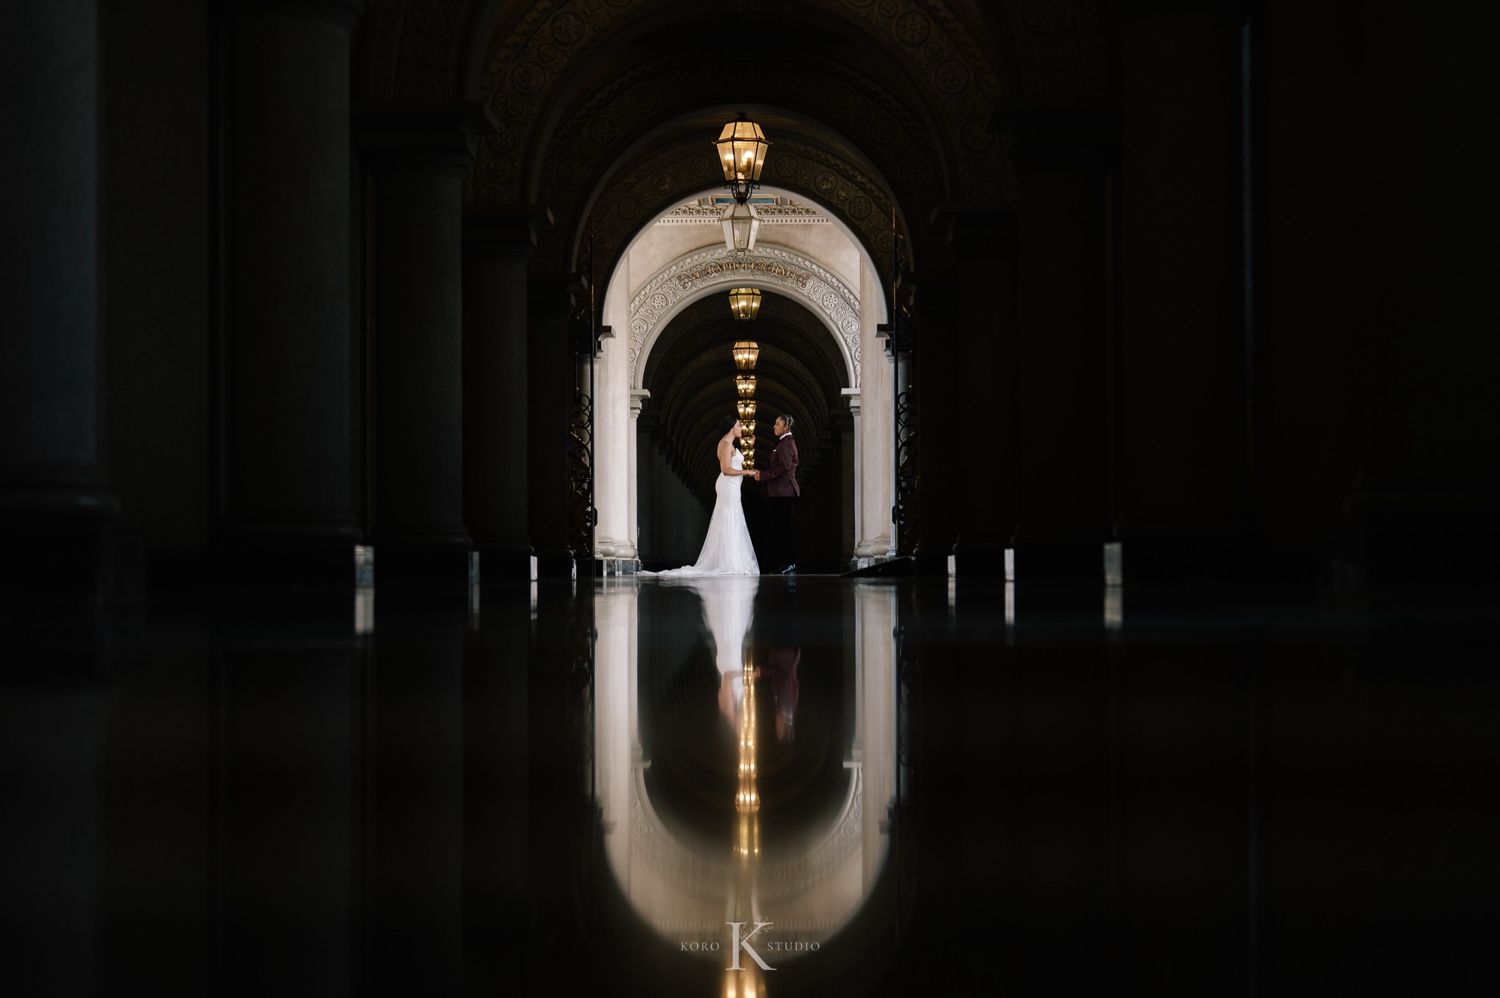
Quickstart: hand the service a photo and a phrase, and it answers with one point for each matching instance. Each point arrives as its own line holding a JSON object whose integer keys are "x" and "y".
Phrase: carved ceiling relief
{"x": 681, "y": 171}
{"x": 428, "y": 57}
{"x": 418, "y": 43}
{"x": 596, "y": 135}
{"x": 788, "y": 273}
{"x": 962, "y": 83}
{"x": 413, "y": 49}
{"x": 524, "y": 67}
{"x": 1047, "y": 48}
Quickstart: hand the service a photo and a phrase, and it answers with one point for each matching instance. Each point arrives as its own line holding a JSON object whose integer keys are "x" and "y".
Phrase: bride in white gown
{"x": 727, "y": 549}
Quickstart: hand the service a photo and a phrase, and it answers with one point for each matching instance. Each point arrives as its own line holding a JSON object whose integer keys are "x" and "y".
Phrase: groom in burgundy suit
{"x": 782, "y": 492}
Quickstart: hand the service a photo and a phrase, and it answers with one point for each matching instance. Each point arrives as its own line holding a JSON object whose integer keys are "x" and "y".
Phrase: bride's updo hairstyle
{"x": 726, "y": 424}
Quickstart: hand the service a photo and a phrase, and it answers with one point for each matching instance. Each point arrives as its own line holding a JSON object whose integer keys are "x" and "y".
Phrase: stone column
{"x": 1065, "y": 159}
{"x": 872, "y": 428}
{"x": 550, "y": 377}
{"x": 498, "y": 244}
{"x": 852, "y": 394}
{"x": 985, "y": 333}
{"x": 418, "y": 155}
{"x": 612, "y": 427}
{"x": 849, "y": 467}
{"x": 638, "y": 397}
{"x": 288, "y": 486}
{"x": 53, "y": 496}
{"x": 939, "y": 423}
{"x": 1183, "y": 473}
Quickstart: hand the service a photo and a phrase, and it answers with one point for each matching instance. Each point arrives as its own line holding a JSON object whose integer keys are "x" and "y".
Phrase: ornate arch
{"x": 683, "y": 170}
{"x": 705, "y": 271}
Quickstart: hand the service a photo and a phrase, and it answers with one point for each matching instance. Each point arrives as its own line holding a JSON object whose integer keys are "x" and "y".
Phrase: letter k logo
{"x": 738, "y": 942}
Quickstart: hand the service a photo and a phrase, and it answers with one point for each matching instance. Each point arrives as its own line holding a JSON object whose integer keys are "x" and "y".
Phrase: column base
{"x": 979, "y": 559}
{"x": 1412, "y": 535}
{"x": 555, "y": 563}
{"x": 1054, "y": 556}
{"x": 886, "y": 564}
{"x": 265, "y": 564}
{"x": 604, "y": 567}
{"x": 1181, "y": 552}
{"x": 932, "y": 560}
{"x": 414, "y": 565}
{"x": 506, "y": 563}
{"x": 77, "y": 561}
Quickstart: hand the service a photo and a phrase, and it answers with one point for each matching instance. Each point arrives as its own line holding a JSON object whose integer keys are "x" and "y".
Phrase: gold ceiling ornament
{"x": 742, "y": 156}
{"x": 745, "y": 351}
{"x": 744, "y": 305}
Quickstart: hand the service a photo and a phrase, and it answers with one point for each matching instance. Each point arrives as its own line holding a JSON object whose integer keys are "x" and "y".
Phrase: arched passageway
{"x": 667, "y": 377}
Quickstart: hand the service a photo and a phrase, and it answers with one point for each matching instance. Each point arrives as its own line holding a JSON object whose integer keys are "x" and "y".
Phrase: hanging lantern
{"x": 746, "y": 409}
{"x": 742, "y": 155}
{"x": 744, "y": 384}
{"x": 744, "y": 305}
{"x": 747, "y": 440}
{"x": 745, "y": 351}
{"x": 747, "y": 427}
{"x": 741, "y": 223}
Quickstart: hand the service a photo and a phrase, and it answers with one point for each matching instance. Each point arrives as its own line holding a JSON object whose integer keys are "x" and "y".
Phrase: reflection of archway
{"x": 676, "y": 880}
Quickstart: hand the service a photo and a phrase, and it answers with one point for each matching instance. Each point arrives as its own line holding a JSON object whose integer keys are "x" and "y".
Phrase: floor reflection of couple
{"x": 728, "y": 610}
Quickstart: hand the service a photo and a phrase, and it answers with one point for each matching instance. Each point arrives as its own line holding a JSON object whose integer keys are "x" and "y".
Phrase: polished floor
{"x": 779, "y": 786}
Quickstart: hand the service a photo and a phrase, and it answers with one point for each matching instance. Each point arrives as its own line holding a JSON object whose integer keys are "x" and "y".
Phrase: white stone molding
{"x": 709, "y": 271}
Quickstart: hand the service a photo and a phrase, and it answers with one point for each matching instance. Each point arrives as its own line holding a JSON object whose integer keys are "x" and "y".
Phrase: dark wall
{"x": 1376, "y": 264}
{"x": 155, "y": 252}
{"x": 672, "y": 521}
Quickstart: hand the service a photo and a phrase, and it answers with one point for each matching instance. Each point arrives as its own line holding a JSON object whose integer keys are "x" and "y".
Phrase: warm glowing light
{"x": 744, "y": 303}
{"x": 746, "y": 409}
{"x": 744, "y": 351}
{"x": 744, "y": 385}
{"x": 742, "y": 155}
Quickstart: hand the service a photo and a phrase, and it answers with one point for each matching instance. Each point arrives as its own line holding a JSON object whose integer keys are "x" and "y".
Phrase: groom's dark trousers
{"x": 782, "y": 491}
{"x": 783, "y": 511}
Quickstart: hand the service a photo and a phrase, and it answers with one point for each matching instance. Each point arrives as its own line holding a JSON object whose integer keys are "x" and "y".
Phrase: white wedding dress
{"x": 727, "y": 549}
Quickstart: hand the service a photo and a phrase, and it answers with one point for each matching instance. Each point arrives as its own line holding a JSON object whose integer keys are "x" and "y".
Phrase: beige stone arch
{"x": 707, "y": 271}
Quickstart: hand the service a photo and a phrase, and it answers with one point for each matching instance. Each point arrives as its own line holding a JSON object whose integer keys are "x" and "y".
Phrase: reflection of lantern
{"x": 745, "y": 304}
{"x": 745, "y": 351}
{"x": 744, "y": 384}
{"x": 742, "y": 155}
{"x": 746, "y": 408}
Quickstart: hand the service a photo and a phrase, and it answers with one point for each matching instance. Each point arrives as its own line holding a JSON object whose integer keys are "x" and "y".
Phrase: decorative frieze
{"x": 779, "y": 269}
